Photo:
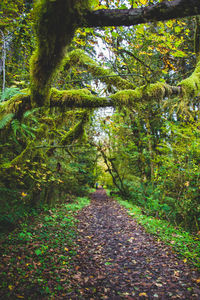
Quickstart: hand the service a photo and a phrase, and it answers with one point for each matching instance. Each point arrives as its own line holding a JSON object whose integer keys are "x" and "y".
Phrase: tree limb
{"x": 163, "y": 11}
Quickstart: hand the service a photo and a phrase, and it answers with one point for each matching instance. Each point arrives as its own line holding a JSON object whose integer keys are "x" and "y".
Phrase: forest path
{"x": 117, "y": 259}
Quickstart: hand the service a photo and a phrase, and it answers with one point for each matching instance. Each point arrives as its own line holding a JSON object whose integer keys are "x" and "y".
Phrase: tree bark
{"x": 163, "y": 11}
{"x": 150, "y": 146}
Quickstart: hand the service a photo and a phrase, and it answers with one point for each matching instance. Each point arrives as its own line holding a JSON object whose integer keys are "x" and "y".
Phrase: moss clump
{"x": 127, "y": 97}
{"x": 55, "y": 23}
{"x": 156, "y": 91}
{"x": 191, "y": 85}
{"x": 78, "y": 57}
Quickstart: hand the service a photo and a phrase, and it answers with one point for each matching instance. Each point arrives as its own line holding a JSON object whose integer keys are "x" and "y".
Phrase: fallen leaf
{"x": 143, "y": 294}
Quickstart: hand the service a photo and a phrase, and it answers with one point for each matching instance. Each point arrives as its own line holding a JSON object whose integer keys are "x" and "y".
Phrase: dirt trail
{"x": 117, "y": 260}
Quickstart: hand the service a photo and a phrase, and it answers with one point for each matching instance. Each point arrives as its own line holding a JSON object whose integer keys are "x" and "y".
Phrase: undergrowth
{"x": 38, "y": 256}
{"x": 182, "y": 242}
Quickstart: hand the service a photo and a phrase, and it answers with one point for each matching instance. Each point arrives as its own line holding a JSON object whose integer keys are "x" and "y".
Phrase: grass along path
{"x": 182, "y": 242}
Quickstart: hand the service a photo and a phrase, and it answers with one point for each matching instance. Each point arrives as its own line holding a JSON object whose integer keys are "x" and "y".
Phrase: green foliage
{"x": 37, "y": 175}
{"x": 158, "y": 160}
{"x": 184, "y": 243}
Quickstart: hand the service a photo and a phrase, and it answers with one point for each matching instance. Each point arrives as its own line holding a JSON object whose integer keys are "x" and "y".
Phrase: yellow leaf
{"x": 11, "y": 287}
{"x": 198, "y": 280}
{"x": 143, "y": 294}
{"x": 66, "y": 249}
{"x": 185, "y": 260}
{"x": 143, "y": 2}
{"x": 18, "y": 296}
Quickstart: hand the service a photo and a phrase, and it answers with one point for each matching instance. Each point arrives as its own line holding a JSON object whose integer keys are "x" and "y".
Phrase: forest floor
{"x": 108, "y": 256}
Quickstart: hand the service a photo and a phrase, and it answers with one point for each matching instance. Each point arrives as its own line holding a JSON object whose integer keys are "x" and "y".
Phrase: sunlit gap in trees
{"x": 101, "y": 115}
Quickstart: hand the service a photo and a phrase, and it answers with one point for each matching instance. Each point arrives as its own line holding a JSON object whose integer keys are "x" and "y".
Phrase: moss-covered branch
{"x": 84, "y": 99}
{"x": 189, "y": 88}
{"x": 79, "y": 58}
{"x": 77, "y": 98}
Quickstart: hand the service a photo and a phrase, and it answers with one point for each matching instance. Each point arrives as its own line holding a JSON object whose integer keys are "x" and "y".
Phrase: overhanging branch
{"x": 163, "y": 11}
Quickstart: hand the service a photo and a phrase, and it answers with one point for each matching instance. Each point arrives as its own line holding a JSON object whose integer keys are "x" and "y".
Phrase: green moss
{"x": 156, "y": 91}
{"x": 127, "y": 97}
{"x": 76, "y": 98}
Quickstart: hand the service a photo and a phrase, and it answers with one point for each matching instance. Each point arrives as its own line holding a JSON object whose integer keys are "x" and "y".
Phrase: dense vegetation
{"x": 56, "y": 142}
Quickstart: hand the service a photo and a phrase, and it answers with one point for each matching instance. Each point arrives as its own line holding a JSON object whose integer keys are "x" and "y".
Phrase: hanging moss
{"x": 78, "y": 57}
{"x": 55, "y": 23}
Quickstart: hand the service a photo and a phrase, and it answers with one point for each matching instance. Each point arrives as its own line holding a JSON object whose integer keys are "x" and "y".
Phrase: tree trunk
{"x": 150, "y": 146}
{"x": 3, "y": 61}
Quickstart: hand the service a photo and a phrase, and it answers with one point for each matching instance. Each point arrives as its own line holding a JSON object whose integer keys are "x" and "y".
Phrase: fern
{"x": 22, "y": 129}
{"x": 28, "y": 130}
{"x": 16, "y": 126}
{"x": 9, "y": 93}
{"x": 5, "y": 120}
{"x": 29, "y": 114}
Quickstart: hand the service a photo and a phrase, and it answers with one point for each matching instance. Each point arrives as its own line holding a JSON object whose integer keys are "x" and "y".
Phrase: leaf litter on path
{"x": 117, "y": 259}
